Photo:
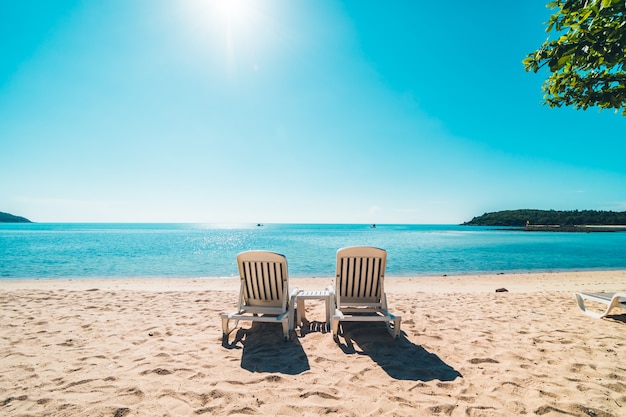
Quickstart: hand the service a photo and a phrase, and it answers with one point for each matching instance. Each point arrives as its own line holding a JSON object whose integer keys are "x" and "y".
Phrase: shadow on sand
{"x": 265, "y": 350}
{"x": 400, "y": 358}
{"x": 617, "y": 317}
{"x": 313, "y": 327}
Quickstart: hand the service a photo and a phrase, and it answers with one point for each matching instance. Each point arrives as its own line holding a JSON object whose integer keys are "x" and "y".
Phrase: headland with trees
{"x": 554, "y": 220}
{"x": 10, "y": 218}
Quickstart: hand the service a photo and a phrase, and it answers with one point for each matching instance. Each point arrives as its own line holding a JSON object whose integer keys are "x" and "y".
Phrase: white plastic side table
{"x": 312, "y": 295}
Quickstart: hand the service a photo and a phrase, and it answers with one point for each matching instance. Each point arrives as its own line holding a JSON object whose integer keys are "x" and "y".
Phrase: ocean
{"x": 49, "y": 251}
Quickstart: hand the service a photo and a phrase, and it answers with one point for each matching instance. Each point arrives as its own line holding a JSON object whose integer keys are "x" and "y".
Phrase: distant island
{"x": 9, "y": 218}
{"x": 554, "y": 220}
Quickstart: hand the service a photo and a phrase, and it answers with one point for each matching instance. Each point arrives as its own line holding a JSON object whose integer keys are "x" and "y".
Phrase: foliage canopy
{"x": 587, "y": 59}
{"x": 549, "y": 217}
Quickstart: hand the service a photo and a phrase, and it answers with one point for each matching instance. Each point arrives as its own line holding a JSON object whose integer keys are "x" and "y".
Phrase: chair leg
{"x": 610, "y": 305}
{"x": 581, "y": 304}
{"x": 301, "y": 312}
{"x": 285, "y": 324}
{"x": 291, "y": 317}
{"x": 226, "y": 330}
{"x": 292, "y": 307}
{"x": 335, "y": 327}
{"x": 396, "y": 327}
{"x": 327, "y": 301}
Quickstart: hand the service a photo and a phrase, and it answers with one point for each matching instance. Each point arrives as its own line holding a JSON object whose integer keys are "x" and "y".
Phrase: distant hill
{"x": 549, "y": 217}
{"x": 9, "y": 218}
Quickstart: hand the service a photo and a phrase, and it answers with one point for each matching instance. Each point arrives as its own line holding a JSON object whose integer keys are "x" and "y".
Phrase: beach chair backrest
{"x": 360, "y": 275}
{"x": 264, "y": 279}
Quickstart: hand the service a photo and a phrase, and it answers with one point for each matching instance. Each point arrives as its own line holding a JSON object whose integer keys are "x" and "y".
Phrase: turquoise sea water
{"x": 209, "y": 250}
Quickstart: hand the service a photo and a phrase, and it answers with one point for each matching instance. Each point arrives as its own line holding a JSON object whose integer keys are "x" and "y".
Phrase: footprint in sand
{"x": 320, "y": 394}
{"x": 476, "y": 361}
{"x": 445, "y": 409}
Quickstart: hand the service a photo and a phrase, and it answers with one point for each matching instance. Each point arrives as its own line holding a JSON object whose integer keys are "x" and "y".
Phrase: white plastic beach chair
{"x": 610, "y": 299}
{"x": 359, "y": 293}
{"x": 264, "y": 293}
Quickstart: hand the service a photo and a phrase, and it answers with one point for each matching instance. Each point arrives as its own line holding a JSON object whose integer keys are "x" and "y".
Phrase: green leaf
{"x": 587, "y": 60}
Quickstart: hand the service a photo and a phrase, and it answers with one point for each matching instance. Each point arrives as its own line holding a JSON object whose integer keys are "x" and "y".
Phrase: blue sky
{"x": 305, "y": 111}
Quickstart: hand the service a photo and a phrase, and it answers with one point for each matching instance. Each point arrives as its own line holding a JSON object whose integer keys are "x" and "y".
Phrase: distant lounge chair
{"x": 359, "y": 293}
{"x": 264, "y": 293}
{"x": 610, "y": 299}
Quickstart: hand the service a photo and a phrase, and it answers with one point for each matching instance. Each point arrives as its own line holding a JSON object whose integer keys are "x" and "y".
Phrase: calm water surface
{"x": 209, "y": 250}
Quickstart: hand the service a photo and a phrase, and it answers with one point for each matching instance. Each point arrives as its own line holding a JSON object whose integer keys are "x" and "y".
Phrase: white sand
{"x": 153, "y": 347}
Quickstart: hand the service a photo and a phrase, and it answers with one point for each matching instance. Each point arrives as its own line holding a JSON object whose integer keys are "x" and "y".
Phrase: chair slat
{"x": 376, "y": 277}
{"x": 362, "y": 277}
{"x": 347, "y": 282}
{"x": 264, "y": 281}
{"x": 367, "y": 291}
{"x": 254, "y": 288}
{"x": 356, "y": 277}
{"x": 247, "y": 273}
{"x": 274, "y": 284}
{"x": 280, "y": 277}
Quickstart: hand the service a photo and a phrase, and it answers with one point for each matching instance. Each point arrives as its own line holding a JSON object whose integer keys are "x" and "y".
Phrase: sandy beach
{"x": 153, "y": 347}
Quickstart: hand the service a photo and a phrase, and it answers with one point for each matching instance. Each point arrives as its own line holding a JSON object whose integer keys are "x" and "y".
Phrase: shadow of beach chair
{"x": 264, "y": 292}
{"x": 400, "y": 358}
{"x": 359, "y": 293}
{"x": 610, "y": 299}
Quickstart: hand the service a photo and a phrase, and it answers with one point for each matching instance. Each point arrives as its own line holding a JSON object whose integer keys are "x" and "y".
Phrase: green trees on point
{"x": 549, "y": 217}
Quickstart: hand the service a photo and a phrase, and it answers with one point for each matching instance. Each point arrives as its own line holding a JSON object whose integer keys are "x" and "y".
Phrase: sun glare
{"x": 236, "y": 32}
{"x": 233, "y": 23}
{"x": 233, "y": 12}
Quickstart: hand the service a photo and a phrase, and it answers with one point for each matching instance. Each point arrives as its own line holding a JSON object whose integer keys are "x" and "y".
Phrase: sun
{"x": 235, "y": 18}
{"x": 235, "y": 37}
{"x": 234, "y": 13}
{"x": 231, "y": 26}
